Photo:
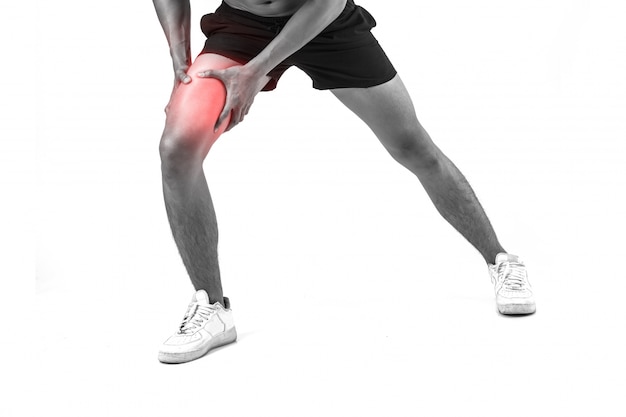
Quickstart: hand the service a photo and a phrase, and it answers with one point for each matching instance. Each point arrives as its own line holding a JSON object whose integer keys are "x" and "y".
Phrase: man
{"x": 250, "y": 43}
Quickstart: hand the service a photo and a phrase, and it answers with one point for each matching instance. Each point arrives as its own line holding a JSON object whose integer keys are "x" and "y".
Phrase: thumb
{"x": 209, "y": 74}
{"x": 181, "y": 75}
{"x": 184, "y": 78}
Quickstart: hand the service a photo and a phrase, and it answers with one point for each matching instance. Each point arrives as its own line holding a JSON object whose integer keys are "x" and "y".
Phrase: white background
{"x": 351, "y": 295}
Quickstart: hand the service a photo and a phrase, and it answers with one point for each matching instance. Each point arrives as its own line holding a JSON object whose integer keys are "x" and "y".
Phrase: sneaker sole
{"x": 229, "y": 336}
{"x": 517, "y": 309}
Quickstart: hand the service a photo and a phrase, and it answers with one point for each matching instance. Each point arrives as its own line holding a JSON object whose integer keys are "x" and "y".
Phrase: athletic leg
{"x": 186, "y": 141}
{"x": 388, "y": 110}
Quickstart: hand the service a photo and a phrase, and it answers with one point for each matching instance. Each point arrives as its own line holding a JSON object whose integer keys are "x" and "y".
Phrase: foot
{"x": 204, "y": 327}
{"x": 514, "y": 294}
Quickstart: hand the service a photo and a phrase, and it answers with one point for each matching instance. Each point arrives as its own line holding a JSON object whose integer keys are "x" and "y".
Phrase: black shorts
{"x": 345, "y": 54}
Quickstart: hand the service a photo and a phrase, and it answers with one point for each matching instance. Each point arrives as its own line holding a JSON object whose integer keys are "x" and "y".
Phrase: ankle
{"x": 217, "y": 299}
{"x": 490, "y": 257}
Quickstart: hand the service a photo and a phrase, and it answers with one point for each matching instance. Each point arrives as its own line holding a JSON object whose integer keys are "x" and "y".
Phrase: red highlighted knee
{"x": 190, "y": 125}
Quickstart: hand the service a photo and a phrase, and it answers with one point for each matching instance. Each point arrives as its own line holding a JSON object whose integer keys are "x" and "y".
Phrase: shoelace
{"x": 512, "y": 275}
{"x": 194, "y": 317}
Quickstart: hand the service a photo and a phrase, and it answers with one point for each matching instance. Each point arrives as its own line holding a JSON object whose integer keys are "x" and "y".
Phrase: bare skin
{"x": 267, "y": 8}
{"x": 387, "y": 109}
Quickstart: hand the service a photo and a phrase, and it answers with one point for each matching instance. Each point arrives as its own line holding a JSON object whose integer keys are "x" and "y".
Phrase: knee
{"x": 189, "y": 128}
{"x": 415, "y": 152}
{"x": 180, "y": 151}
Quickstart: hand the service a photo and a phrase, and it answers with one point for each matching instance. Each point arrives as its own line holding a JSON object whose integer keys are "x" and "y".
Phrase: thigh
{"x": 388, "y": 110}
{"x": 195, "y": 107}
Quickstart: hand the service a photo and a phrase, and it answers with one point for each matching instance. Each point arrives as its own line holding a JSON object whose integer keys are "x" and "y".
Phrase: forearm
{"x": 174, "y": 16}
{"x": 312, "y": 18}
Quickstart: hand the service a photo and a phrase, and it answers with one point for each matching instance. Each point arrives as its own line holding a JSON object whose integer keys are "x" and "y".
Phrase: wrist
{"x": 257, "y": 67}
{"x": 181, "y": 54}
{"x": 180, "y": 62}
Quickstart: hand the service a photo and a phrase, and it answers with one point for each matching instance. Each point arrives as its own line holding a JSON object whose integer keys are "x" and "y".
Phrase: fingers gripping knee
{"x": 189, "y": 130}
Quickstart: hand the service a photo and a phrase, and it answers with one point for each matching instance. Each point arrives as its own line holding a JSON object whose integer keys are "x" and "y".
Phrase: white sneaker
{"x": 514, "y": 294}
{"x": 204, "y": 327}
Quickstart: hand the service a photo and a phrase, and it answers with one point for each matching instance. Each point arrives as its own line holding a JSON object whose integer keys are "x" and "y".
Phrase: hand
{"x": 180, "y": 76}
{"x": 242, "y": 85}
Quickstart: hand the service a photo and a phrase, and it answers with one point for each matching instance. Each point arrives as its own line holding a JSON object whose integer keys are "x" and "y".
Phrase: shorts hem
{"x": 361, "y": 84}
